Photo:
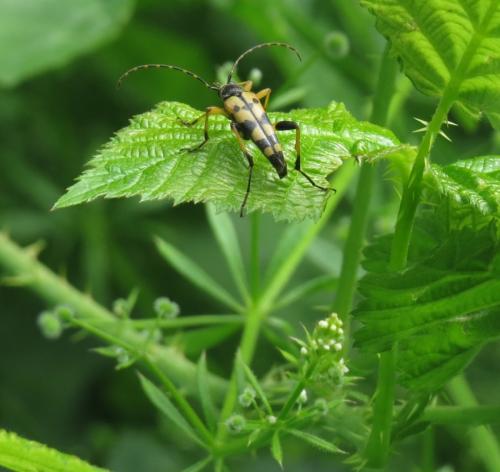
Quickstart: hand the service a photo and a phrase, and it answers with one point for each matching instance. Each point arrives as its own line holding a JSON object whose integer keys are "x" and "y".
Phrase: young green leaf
{"x": 205, "y": 395}
{"x": 447, "y": 46}
{"x": 23, "y": 455}
{"x": 276, "y": 449}
{"x": 51, "y": 33}
{"x": 315, "y": 441}
{"x": 471, "y": 182}
{"x": 161, "y": 401}
{"x": 195, "y": 274}
{"x": 148, "y": 159}
{"x": 225, "y": 234}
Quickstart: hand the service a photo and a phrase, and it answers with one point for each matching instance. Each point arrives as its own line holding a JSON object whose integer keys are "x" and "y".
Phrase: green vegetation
{"x": 361, "y": 323}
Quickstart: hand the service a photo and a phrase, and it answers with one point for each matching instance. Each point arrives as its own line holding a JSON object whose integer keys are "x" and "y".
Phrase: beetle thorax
{"x": 230, "y": 90}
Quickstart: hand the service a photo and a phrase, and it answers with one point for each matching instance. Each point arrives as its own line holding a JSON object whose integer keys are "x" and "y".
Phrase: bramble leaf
{"x": 472, "y": 183}
{"x": 446, "y": 45}
{"x": 147, "y": 159}
{"x": 49, "y": 33}
{"x": 23, "y": 455}
{"x": 440, "y": 311}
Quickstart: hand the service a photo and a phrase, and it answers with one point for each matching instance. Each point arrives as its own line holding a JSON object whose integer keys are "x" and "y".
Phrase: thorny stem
{"x": 377, "y": 451}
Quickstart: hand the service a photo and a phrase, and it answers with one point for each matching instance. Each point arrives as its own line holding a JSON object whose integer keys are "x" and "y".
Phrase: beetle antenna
{"x": 165, "y": 66}
{"x": 263, "y": 45}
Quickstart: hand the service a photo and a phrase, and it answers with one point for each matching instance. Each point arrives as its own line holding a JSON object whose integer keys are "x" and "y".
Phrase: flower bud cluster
{"x": 324, "y": 346}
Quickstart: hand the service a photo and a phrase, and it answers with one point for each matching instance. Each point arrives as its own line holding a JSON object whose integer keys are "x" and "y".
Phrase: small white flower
{"x": 338, "y": 346}
{"x": 303, "y": 351}
{"x": 333, "y": 328}
{"x": 341, "y": 331}
{"x": 344, "y": 369}
{"x": 271, "y": 419}
{"x": 326, "y": 347}
{"x": 323, "y": 324}
{"x": 303, "y": 396}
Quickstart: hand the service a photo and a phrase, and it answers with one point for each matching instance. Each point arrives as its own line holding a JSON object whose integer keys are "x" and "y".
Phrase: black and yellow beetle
{"x": 248, "y": 118}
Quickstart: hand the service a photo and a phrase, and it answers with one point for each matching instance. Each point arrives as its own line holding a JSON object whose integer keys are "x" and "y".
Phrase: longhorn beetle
{"x": 248, "y": 118}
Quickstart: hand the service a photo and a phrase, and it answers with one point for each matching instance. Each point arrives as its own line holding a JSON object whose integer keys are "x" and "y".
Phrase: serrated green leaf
{"x": 49, "y": 33}
{"x": 146, "y": 159}
{"x": 254, "y": 382}
{"x": 440, "y": 311}
{"x": 195, "y": 274}
{"x": 315, "y": 441}
{"x": 162, "y": 402}
{"x": 448, "y": 45}
{"x": 204, "y": 393}
{"x": 472, "y": 182}
{"x": 276, "y": 449}
{"x": 23, "y": 455}
{"x": 225, "y": 234}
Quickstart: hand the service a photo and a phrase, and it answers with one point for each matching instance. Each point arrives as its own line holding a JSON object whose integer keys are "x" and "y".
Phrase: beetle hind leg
{"x": 291, "y": 125}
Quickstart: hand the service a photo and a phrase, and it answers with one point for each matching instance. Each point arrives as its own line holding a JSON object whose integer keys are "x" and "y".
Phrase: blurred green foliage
{"x": 59, "y": 62}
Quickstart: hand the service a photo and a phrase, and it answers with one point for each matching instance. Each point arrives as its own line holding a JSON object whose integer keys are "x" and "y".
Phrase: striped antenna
{"x": 263, "y": 45}
{"x": 164, "y": 66}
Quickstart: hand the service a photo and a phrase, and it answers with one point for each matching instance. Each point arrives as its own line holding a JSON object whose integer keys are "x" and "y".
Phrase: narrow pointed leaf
{"x": 315, "y": 441}
{"x": 306, "y": 289}
{"x": 276, "y": 449}
{"x": 22, "y": 455}
{"x": 198, "y": 466}
{"x": 195, "y": 274}
{"x": 162, "y": 402}
{"x": 225, "y": 234}
{"x": 147, "y": 159}
{"x": 204, "y": 393}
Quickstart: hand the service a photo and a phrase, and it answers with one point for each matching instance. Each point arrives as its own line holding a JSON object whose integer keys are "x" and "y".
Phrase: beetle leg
{"x": 264, "y": 94}
{"x": 247, "y": 85}
{"x": 249, "y": 157}
{"x": 209, "y": 111}
{"x": 289, "y": 125}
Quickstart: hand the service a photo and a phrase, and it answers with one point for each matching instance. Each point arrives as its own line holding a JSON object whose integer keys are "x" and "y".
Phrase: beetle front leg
{"x": 249, "y": 157}
{"x": 264, "y": 94}
{"x": 209, "y": 111}
{"x": 290, "y": 125}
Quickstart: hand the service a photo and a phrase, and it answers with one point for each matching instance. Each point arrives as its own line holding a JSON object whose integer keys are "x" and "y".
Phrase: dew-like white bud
{"x": 303, "y": 351}
{"x": 303, "y": 396}
{"x": 338, "y": 346}
{"x": 323, "y": 324}
{"x": 271, "y": 419}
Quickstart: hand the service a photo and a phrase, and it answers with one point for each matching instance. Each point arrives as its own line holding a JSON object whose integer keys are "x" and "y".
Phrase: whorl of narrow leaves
{"x": 147, "y": 159}
{"x": 21, "y": 454}
{"x": 451, "y": 45}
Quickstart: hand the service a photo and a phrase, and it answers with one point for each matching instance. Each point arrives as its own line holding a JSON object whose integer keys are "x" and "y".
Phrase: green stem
{"x": 464, "y": 415}
{"x": 483, "y": 439}
{"x": 254, "y": 255}
{"x": 296, "y": 392}
{"x": 22, "y": 264}
{"x": 359, "y": 221}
